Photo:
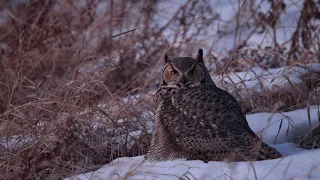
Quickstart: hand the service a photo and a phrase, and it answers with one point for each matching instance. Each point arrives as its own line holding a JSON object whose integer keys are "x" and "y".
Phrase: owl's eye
{"x": 193, "y": 72}
{"x": 174, "y": 72}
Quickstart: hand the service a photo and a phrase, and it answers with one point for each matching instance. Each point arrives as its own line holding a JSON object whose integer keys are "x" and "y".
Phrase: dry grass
{"x": 71, "y": 72}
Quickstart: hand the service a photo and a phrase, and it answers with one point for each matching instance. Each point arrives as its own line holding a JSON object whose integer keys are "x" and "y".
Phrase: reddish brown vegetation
{"x": 66, "y": 67}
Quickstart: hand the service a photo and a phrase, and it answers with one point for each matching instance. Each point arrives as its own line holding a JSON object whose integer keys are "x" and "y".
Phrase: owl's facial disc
{"x": 183, "y": 77}
{"x": 170, "y": 75}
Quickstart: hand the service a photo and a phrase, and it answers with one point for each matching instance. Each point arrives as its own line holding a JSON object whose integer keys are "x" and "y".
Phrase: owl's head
{"x": 185, "y": 72}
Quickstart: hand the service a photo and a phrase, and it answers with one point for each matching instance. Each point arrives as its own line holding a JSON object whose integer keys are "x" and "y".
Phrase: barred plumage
{"x": 197, "y": 120}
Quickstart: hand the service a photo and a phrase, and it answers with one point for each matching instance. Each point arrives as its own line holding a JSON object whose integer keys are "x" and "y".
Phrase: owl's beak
{"x": 183, "y": 80}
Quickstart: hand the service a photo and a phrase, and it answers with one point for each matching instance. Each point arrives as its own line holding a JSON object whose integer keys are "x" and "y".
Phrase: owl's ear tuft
{"x": 166, "y": 58}
{"x": 200, "y": 56}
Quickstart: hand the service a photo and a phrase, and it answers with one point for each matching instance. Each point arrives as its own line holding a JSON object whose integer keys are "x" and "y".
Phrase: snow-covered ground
{"x": 297, "y": 163}
{"x": 227, "y": 23}
{"x": 257, "y": 79}
{"x": 304, "y": 165}
{"x": 283, "y": 127}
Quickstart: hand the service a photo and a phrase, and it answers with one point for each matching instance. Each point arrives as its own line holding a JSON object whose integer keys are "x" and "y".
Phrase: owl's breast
{"x": 178, "y": 121}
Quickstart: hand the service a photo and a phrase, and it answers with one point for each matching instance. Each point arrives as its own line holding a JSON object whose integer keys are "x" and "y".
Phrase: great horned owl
{"x": 197, "y": 120}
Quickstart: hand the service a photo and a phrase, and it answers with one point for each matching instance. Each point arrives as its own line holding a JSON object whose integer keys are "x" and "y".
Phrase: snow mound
{"x": 285, "y": 126}
{"x": 257, "y": 79}
{"x": 303, "y": 165}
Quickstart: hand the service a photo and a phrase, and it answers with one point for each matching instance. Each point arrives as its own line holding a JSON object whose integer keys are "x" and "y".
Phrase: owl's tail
{"x": 266, "y": 152}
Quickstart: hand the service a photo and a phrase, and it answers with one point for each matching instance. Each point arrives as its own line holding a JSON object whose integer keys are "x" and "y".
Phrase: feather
{"x": 201, "y": 121}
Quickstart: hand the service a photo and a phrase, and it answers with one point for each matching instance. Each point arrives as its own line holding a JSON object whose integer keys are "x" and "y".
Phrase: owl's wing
{"x": 213, "y": 125}
{"x": 212, "y": 106}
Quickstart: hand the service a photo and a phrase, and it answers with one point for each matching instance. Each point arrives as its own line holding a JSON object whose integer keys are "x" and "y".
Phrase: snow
{"x": 257, "y": 79}
{"x": 14, "y": 141}
{"x": 293, "y": 124}
{"x": 296, "y": 164}
{"x": 226, "y": 24}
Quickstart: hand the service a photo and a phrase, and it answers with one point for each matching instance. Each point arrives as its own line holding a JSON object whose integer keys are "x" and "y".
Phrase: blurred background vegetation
{"x": 77, "y": 76}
